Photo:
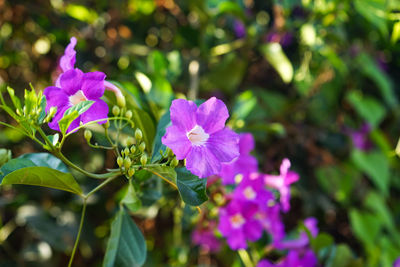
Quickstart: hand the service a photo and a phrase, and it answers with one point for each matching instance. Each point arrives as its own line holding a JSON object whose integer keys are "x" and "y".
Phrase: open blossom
{"x": 252, "y": 189}
{"x": 238, "y": 223}
{"x": 282, "y": 183}
{"x": 199, "y": 135}
{"x": 244, "y": 164}
{"x": 205, "y": 237}
{"x": 303, "y": 241}
{"x": 72, "y": 87}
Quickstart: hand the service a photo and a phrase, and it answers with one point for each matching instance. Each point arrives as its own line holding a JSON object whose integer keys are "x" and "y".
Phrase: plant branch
{"x": 71, "y": 259}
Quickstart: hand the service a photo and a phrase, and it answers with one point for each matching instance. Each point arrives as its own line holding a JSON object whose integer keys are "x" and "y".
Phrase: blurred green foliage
{"x": 300, "y": 76}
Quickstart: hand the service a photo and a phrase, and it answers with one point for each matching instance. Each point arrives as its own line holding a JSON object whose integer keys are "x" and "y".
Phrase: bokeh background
{"x": 316, "y": 81}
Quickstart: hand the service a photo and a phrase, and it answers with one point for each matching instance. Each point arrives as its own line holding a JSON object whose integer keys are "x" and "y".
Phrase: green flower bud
{"x": 50, "y": 114}
{"x": 127, "y": 162}
{"x": 131, "y": 172}
{"x": 170, "y": 153}
{"x": 129, "y": 141}
{"x": 116, "y": 110}
{"x": 122, "y": 153}
{"x": 120, "y": 161}
{"x": 143, "y": 159}
{"x": 106, "y": 125}
{"x": 121, "y": 100}
{"x": 142, "y": 146}
{"x": 128, "y": 114}
{"x": 133, "y": 149}
{"x": 88, "y": 135}
{"x": 138, "y": 135}
{"x": 174, "y": 163}
{"x": 126, "y": 151}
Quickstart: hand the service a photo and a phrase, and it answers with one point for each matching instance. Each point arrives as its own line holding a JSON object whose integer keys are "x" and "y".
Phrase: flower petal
{"x": 58, "y": 116}
{"x": 99, "y": 110}
{"x": 177, "y": 141}
{"x": 74, "y": 124}
{"x": 55, "y": 97}
{"x": 237, "y": 240}
{"x": 224, "y": 145}
{"x": 202, "y": 162}
{"x": 93, "y": 85}
{"x": 68, "y": 60}
{"x": 71, "y": 81}
{"x": 253, "y": 230}
{"x": 211, "y": 115}
{"x": 183, "y": 114}
{"x": 246, "y": 143}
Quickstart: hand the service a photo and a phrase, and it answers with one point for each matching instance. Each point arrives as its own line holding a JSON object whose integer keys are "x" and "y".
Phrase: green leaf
{"x": 131, "y": 199}
{"x": 81, "y": 13}
{"x": 42, "y": 114}
{"x": 72, "y": 113}
{"x": 367, "y": 107}
{"x": 341, "y": 256}
{"x": 5, "y": 155}
{"x": 144, "y": 122}
{"x": 46, "y": 160}
{"x": 375, "y": 165}
{"x": 375, "y": 12}
{"x": 157, "y": 63}
{"x": 13, "y": 165}
{"x": 191, "y": 187}
{"x": 14, "y": 99}
{"x": 274, "y": 54}
{"x": 322, "y": 240}
{"x": 43, "y": 176}
{"x": 126, "y": 246}
{"x": 164, "y": 171}
{"x": 158, "y": 146}
{"x": 244, "y": 104}
{"x": 365, "y": 226}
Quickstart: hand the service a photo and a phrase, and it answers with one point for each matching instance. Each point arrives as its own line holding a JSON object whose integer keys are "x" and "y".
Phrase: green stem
{"x": 100, "y": 186}
{"x": 71, "y": 259}
{"x": 245, "y": 257}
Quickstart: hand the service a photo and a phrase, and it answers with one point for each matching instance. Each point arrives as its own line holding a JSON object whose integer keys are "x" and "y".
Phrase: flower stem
{"x": 100, "y": 186}
{"x": 71, "y": 259}
{"x": 245, "y": 257}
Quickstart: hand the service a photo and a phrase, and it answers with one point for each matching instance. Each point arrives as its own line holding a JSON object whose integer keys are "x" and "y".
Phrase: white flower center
{"x": 237, "y": 220}
{"x": 249, "y": 193}
{"x": 197, "y": 136}
{"x": 77, "y": 98}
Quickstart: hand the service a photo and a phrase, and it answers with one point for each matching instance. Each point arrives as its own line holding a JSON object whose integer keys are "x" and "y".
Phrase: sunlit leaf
{"x": 274, "y": 54}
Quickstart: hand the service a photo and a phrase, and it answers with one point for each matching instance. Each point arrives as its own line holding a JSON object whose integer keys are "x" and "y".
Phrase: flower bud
{"x": 122, "y": 153}
{"x": 127, "y": 162}
{"x": 50, "y": 114}
{"x": 142, "y": 146}
{"x": 129, "y": 141}
{"x": 120, "y": 161}
{"x": 131, "y": 172}
{"x": 138, "y": 135}
{"x": 88, "y": 135}
{"x": 143, "y": 159}
{"x": 115, "y": 110}
{"x": 126, "y": 151}
{"x": 120, "y": 100}
{"x": 106, "y": 125}
{"x": 128, "y": 114}
{"x": 133, "y": 149}
{"x": 174, "y": 163}
{"x": 170, "y": 154}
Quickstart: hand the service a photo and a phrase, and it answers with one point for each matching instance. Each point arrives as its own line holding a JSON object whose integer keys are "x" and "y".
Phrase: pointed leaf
{"x": 191, "y": 187}
{"x": 158, "y": 146}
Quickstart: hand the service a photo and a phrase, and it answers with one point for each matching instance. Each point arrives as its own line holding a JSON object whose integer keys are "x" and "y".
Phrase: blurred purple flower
{"x": 396, "y": 263}
{"x": 381, "y": 60}
{"x": 284, "y": 38}
{"x": 199, "y": 135}
{"x": 244, "y": 164}
{"x": 270, "y": 218}
{"x": 205, "y": 237}
{"x": 265, "y": 263}
{"x": 72, "y": 87}
{"x": 238, "y": 224}
{"x": 294, "y": 259}
{"x": 239, "y": 29}
{"x": 282, "y": 183}
{"x": 303, "y": 241}
{"x": 360, "y": 137}
{"x": 252, "y": 188}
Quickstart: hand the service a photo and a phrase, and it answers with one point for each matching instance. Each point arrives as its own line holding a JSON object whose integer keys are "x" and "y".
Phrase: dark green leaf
{"x": 365, "y": 226}
{"x": 126, "y": 246}
{"x": 14, "y": 165}
{"x": 322, "y": 240}
{"x": 46, "y": 160}
{"x": 158, "y": 146}
{"x": 191, "y": 187}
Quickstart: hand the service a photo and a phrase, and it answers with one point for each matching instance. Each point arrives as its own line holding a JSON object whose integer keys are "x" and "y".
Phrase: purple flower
{"x": 252, "y": 188}
{"x": 293, "y": 259}
{"x": 238, "y": 224}
{"x": 282, "y": 183}
{"x": 396, "y": 263}
{"x": 199, "y": 135}
{"x": 205, "y": 237}
{"x": 360, "y": 137}
{"x": 270, "y": 218}
{"x": 239, "y": 29}
{"x": 265, "y": 263}
{"x": 72, "y": 87}
{"x": 303, "y": 241}
{"x": 244, "y": 164}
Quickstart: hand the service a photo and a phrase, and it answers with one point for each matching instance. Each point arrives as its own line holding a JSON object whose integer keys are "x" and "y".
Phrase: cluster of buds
{"x": 133, "y": 154}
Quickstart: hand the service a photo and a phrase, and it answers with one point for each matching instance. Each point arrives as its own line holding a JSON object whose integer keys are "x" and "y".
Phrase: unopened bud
{"x": 120, "y": 161}
{"x": 129, "y": 141}
{"x": 126, "y": 151}
{"x": 50, "y": 114}
{"x": 115, "y": 110}
{"x": 120, "y": 100}
{"x": 133, "y": 149}
{"x": 127, "y": 162}
{"x": 142, "y": 146}
{"x": 138, "y": 135}
{"x": 128, "y": 114}
{"x": 131, "y": 172}
{"x": 106, "y": 125}
{"x": 169, "y": 152}
{"x": 174, "y": 163}
{"x": 143, "y": 159}
{"x": 88, "y": 135}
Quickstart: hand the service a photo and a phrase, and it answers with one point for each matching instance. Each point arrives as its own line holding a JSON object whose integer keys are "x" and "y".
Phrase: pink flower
{"x": 199, "y": 135}
{"x": 282, "y": 183}
{"x": 244, "y": 164}
{"x": 205, "y": 237}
